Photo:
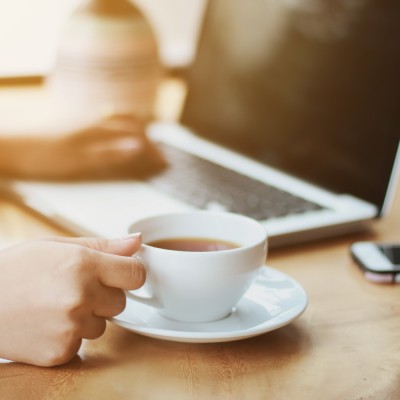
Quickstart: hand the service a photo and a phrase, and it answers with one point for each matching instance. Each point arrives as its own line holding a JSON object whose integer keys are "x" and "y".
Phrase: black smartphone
{"x": 379, "y": 261}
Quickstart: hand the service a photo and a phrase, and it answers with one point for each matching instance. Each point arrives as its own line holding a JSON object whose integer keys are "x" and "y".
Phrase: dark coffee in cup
{"x": 193, "y": 244}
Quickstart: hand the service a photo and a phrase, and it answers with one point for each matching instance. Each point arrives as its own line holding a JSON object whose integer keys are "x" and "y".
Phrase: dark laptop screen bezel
{"x": 326, "y": 110}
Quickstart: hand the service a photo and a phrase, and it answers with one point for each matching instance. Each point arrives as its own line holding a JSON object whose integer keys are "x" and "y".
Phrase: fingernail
{"x": 131, "y": 236}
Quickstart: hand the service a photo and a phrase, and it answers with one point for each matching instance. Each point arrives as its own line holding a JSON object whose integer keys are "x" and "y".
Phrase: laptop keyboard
{"x": 207, "y": 185}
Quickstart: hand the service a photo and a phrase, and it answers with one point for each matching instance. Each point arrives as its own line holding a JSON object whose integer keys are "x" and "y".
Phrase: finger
{"x": 109, "y": 303}
{"x": 127, "y": 273}
{"x": 123, "y": 122}
{"x": 93, "y": 327}
{"x": 112, "y": 261}
{"x": 121, "y": 157}
{"x": 104, "y": 132}
{"x": 125, "y": 246}
{"x": 115, "y": 124}
{"x": 102, "y": 149}
{"x": 124, "y": 152}
{"x": 115, "y": 147}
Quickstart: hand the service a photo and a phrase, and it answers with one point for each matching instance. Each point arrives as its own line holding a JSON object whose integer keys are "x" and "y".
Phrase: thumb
{"x": 125, "y": 246}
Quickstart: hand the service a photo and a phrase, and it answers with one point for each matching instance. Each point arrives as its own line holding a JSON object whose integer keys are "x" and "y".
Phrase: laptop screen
{"x": 306, "y": 86}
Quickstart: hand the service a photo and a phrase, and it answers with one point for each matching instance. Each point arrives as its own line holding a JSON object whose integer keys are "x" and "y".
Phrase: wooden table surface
{"x": 344, "y": 347}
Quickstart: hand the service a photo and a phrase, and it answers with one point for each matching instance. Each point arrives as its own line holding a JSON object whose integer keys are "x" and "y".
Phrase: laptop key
{"x": 207, "y": 185}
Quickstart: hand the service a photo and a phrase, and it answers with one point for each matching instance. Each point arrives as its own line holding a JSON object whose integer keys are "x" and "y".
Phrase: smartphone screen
{"x": 380, "y": 262}
{"x": 391, "y": 252}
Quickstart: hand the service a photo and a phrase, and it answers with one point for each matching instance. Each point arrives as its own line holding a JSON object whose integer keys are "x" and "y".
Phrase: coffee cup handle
{"x": 151, "y": 301}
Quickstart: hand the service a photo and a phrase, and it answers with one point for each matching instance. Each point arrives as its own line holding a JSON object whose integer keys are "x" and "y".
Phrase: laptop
{"x": 288, "y": 119}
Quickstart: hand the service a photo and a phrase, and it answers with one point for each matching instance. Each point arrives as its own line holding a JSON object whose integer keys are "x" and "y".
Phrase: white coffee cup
{"x": 195, "y": 286}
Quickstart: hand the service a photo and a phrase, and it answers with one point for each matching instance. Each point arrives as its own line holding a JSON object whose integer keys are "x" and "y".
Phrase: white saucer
{"x": 273, "y": 301}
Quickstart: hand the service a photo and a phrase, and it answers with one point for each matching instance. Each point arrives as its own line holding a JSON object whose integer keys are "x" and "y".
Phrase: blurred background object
{"x": 29, "y": 32}
{"x": 99, "y": 59}
{"x": 107, "y": 60}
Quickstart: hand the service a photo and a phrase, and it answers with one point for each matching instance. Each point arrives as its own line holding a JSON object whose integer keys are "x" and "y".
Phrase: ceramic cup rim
{"x": 263, "y": 236}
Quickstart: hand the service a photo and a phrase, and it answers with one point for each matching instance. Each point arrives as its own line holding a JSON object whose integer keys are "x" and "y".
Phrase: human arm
{"x": 56, "y": 292}
{"x": 116, "y": 146}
